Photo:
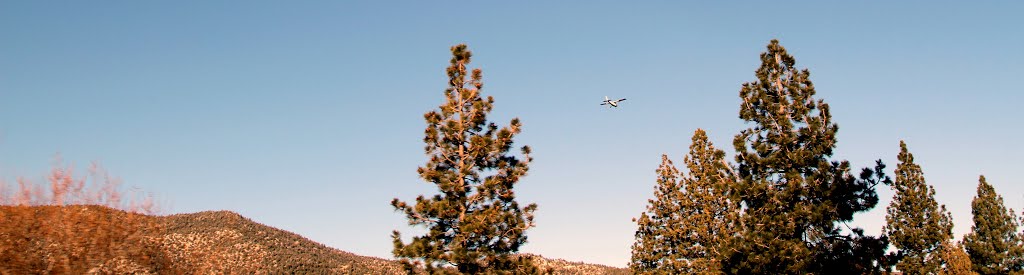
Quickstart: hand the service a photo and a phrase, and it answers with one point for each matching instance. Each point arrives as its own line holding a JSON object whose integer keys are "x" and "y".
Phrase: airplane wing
{"x": 623, "y": 99}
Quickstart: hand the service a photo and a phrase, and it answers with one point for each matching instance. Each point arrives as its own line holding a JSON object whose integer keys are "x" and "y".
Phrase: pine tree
{"x": 710, "y": 214}
{"x": 955, "y": 260}
{"x": 474, "y": 222}
{"x": 656, "y": 235}
{"x": 915, "y": 223}
{"x": 689, "y": 217}
{"x": 794, "y": 196}
{"x": 993, "y": 243}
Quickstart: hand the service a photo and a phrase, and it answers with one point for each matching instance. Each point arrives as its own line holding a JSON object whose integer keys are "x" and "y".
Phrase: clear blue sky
{"x": 308, "y": 116}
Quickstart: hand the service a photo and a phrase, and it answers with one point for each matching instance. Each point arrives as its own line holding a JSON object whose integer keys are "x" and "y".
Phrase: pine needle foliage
{"x": 685, "y": 224}
{"x": 657, "y": 238}
{"x": 796, "y": 200}
{"x": 474, "y": 224}
{"x": 993, "y": 243}
{"x": 955, "y": 260}
{"x": 709, "y": 213}
{"x": 915, "y": 223}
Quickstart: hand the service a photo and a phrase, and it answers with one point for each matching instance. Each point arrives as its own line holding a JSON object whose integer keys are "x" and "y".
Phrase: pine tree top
{"x": 993, "y": 244}
{"x": 915, "y": 223}
{"x": 685, "y": 226}
{"x": 791, "y": 128}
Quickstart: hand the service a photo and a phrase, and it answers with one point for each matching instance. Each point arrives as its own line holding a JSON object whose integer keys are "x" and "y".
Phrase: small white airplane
{"x": 612, "y": 103}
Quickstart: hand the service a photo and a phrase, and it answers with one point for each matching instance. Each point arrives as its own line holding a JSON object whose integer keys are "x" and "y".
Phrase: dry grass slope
{"x": 559, "y": 266}
{"x": 97, "y": 239}
{"x": 222, "y": 241}
{"x": 78, "y": 240}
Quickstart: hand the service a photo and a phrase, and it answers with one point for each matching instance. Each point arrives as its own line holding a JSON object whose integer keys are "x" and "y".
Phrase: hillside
{"x": 222, "y": 241}
{"x": 204, "y": 242}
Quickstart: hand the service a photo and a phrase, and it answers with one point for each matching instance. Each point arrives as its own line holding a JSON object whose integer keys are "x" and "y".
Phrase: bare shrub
{"x": 78, "y": 224}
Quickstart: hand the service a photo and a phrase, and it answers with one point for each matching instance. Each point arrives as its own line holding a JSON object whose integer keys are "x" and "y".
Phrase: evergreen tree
{"x": 474, "y": 222}
{"x": 690, "y": 217}
{"x": 657, "y": 237}
{"x": 794, "y": 196}
{"x": 710, "y": 214}
{"x": 955, "y": 260}
{"x": 993, "y": 243}
{"x": 915, "y": 223}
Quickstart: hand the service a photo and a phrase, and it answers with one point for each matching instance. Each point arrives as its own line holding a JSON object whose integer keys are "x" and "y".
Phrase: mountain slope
{"x": 105, "y": 240}
{"x": 222, "y": 241}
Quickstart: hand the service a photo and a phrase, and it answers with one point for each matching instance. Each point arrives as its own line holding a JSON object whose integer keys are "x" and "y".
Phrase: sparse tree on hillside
{"x": 993, "y": 243}
{"x": 915, "y": 223}
{"x": 685, "y": 225}
{"x": 796, "y": 199}
{"x": 474, "y": 222}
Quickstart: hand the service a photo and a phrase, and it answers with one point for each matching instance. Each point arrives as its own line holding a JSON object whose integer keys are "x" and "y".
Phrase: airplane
{"x": 612, "y": 103}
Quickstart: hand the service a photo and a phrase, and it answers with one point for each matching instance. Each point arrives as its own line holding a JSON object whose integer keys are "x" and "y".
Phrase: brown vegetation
{"x": 77, "y": 225}
{"x": 225, "y": 242}
{"x": 86, "y": 225}
{"x": 205, "y": 242}
{"x": 559, "y": 266}
{"x": 78, "y": 239}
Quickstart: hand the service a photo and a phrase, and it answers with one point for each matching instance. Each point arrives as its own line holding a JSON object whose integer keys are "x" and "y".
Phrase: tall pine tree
{"x": 709, "y": 213}
{"x": 795, "y": 197}
{"x": 657, "y": 238}
{"x": 690, "y": 217}
{"x": 915, "y": 223}
{"x": 993, "y": 243}
{"x": 474, "y": 224}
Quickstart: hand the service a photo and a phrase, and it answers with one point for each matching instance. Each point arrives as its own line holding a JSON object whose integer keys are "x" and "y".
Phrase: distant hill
{"x": 559, "y": 266}
{"x": 204, "y": 242}
{"x": 223, "y": 241}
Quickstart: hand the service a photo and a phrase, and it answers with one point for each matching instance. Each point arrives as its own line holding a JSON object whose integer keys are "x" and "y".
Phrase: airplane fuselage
{"x": 612, "y": 103}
